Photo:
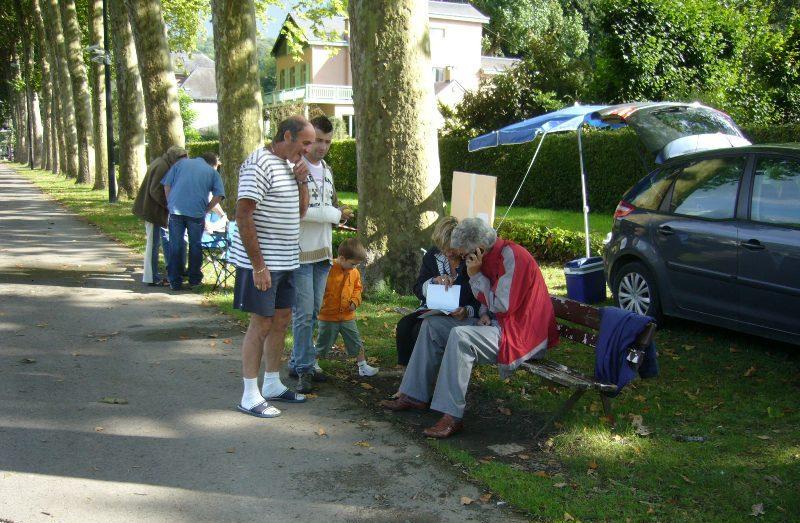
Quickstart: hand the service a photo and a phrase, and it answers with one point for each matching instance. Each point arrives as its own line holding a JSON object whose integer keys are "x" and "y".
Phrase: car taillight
{"x": 623, "y": 209}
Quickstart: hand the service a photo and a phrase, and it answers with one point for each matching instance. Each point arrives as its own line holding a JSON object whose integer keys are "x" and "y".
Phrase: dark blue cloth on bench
{"x": 618, "y": 331}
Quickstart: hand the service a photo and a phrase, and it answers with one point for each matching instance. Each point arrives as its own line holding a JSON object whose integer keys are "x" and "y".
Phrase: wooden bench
{"x": 586, "y": 320}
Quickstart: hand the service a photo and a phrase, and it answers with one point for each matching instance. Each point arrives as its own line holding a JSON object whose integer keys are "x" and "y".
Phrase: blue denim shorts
{"x": 249, "y": 299}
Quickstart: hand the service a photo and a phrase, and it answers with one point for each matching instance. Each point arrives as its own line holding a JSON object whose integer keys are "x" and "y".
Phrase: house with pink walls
{"x": 320, "y": 74}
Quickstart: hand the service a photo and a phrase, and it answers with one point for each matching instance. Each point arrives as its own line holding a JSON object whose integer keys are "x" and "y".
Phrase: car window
{"x": 776, "y": 191}
{"x": 649, "y": 192}
{"x": 708, "y": 188}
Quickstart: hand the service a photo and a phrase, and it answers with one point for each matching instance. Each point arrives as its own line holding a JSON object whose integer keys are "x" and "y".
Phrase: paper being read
{"x": 444, "y": 300}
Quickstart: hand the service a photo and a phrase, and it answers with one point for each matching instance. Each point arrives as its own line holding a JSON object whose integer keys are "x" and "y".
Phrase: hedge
{"x": 615, "y": 160}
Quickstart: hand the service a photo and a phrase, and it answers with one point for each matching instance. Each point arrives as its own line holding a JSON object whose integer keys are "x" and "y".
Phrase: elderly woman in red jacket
{"x": 516, "y": 323}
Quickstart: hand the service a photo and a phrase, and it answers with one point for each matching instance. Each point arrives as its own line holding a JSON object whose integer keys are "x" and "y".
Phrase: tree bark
{"x": 130, "y": 102}
{"x": 98, "y": 78}
{"x": 51, "y": 127}
{"x": 164, "y": 123}
{"x": 21, "y": 127}
{"x": 396, "y": 147}
{"x": 69, "y": 158}
{"x": 238, "y": 87}
{"x": 80, "y": 90}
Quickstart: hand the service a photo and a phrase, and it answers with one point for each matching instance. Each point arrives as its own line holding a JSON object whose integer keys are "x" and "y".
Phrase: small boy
{"x": 342, "y": 297}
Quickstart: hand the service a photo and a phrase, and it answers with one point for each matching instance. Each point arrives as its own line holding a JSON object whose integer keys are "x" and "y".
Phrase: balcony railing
{"x": 312, "y": 93}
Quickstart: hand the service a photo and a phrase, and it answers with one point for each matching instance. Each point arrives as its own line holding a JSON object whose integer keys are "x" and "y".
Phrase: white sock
{"x": 272, "y": 385}
{"x": 365, "y": 370}
{"x": 251, "y": 397}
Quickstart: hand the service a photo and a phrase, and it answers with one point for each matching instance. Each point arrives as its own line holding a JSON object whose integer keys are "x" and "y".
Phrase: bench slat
{"x": 577, "y": 335}
{"x": 576, "y": 312}
{"x": 565, "y": 376}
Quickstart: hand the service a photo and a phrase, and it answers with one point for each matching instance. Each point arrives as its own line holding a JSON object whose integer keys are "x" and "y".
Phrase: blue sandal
{"x": 262, "y": 410}
{"x": 288, "y": 396}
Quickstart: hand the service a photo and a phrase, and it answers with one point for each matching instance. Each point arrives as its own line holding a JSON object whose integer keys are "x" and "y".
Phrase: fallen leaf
{"x": 366, "y": 386}
{"x": 504, "y": 410}
{"x": 764, "y": 437}
{"x": 98, "y": 429}
{"x": 364, "y": 444}
{"x": 227, "y": 341}
{"x": 485, "y": 498}
{"x": 687, "y": 480}
{"x": 734, "y": 349}
{"x": 688, "y": 347}
{"x": 593, "y": 464}
{"x": 183, "y": 337}
{"x": 310, "y": 396}
{"x": 757, "y": 510}
{"x": 749, "y": 372}
{"x": 541, "y": 474}
{"x": 559, "y": 485}
{"x": 568, "y": 517}
{"x": 28, "y": 360}
{"x": 639, "y": 427}
{"x": 41, "y": 325}
{"x": 213, "y": 344}
{"x": 321, "y": 432}
{"x": 114, "y": 401}
{"x": 466, "y": 500}
{"x": 213, "y": 335}
{"x": 523, "y": 456}
{"x": 640, "y": 398}
{"x": 231, "y": 450}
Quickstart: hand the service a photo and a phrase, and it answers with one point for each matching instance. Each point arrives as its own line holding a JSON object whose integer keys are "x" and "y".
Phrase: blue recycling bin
{"x": 586, "y": 281}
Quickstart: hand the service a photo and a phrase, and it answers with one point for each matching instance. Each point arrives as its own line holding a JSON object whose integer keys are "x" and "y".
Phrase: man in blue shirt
{"x": 187, "y": 186}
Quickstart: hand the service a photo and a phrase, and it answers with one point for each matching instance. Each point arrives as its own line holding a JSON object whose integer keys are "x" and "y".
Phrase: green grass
{"x": 569, "y": 220}
{"x": 738, "y": 392}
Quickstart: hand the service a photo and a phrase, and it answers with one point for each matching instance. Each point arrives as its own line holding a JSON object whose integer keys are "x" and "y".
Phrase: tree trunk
{"x": 98, "y": 78}
{"x": 164, "y": 123}
{"x": 396, "y": 147}
{"x": 130, "y": 102}
{"x": 80, "y": 90}
{"x": 26, "y": 63}
{"x": 21, "y": 127}
{"x": 50, "y": 115}
{"x": 52, "y": 18}
{"x": 238, "y": 87}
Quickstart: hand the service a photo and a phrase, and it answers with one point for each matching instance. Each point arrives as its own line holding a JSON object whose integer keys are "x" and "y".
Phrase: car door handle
{"x": 666, "y": 230}
{"x": 752, "y": 245}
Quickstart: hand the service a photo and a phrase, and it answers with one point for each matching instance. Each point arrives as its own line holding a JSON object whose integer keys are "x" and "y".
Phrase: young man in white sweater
{"x": 316, "y": 253}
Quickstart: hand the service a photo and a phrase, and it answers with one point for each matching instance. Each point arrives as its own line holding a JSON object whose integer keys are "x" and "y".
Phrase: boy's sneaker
{"x": 366, "y": 371}
{"x": 305, "y": 383}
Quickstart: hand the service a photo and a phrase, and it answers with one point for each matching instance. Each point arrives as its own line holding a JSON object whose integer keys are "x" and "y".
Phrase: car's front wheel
{"x": 635, "y": 290}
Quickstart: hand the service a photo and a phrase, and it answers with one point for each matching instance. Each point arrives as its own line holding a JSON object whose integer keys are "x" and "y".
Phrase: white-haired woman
{"x": 516, "y": 323}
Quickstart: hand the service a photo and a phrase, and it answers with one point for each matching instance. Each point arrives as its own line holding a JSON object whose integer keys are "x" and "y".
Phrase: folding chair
{"x": 215, "y": 254}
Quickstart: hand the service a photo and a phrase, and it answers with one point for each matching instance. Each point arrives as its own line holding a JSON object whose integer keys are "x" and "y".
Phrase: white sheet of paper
{"x": 444, "y": 300}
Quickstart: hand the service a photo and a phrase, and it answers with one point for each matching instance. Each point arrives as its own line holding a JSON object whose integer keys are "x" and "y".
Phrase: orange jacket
{"x": 342, "y": 288}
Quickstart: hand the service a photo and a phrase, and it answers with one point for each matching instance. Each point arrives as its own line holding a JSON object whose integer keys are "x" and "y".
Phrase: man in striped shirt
{"x": 273, "y": 195}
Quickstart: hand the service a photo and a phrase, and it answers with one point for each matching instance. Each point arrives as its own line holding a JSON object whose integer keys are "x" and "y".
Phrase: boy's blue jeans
{"x": 309, "y": 285}
{"x": 178, "y": 224}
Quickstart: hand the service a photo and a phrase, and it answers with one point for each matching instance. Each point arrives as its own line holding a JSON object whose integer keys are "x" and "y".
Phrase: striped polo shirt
{"x": 269, "y": 181}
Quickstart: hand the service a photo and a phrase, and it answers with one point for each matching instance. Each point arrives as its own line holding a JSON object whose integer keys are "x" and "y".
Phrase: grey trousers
{"x": 448, "y": 348}
{"x": 328, "y": 331}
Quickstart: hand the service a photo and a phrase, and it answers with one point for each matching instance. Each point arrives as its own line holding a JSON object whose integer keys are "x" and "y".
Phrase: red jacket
{"x": 511, "y": 286}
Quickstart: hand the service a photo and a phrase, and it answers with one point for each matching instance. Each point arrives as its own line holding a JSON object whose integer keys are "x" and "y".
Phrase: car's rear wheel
{"x": 635, "y": 290}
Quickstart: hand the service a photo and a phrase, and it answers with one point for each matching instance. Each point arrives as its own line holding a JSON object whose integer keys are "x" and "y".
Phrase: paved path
{"x": 77, "y": 326}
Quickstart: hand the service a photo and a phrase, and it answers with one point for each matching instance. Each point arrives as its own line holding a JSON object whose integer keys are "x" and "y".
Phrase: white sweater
{"x": 316, "y": 226}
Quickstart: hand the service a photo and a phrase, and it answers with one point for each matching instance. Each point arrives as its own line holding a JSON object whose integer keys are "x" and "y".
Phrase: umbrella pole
{"x": 583, "y": 193}
{"x": 530, "y": 165}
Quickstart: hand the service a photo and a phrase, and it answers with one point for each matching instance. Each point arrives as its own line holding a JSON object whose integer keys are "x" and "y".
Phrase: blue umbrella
{"x": 567, "y": 119}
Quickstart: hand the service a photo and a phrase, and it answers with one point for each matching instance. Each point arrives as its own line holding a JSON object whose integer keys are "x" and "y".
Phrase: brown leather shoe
{"x": 403, "y": 402}
{"x": 444, "y": 428}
